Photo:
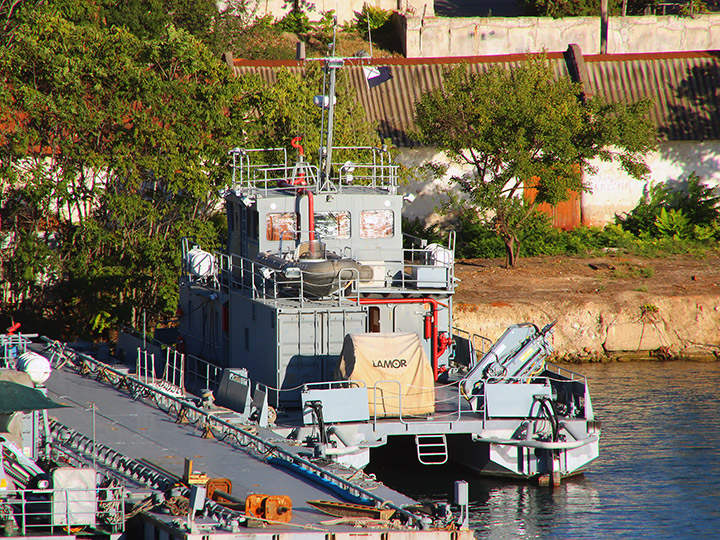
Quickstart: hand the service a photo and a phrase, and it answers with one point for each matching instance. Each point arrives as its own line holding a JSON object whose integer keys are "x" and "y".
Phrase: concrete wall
{"x": 345, "y": 10}
{"x": 437, "y": 36}
{"x": 613, "y": 190}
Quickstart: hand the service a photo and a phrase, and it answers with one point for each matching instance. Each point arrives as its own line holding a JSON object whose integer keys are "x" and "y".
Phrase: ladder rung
{"x": 431, "y": 449}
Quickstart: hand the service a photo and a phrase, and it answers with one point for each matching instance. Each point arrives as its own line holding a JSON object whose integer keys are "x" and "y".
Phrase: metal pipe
{"x": 560, "y": 445}
{"x": 311, "y": 216}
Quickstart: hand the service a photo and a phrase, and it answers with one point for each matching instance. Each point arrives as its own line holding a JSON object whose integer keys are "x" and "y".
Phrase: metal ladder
{"x": 431, "y": 449}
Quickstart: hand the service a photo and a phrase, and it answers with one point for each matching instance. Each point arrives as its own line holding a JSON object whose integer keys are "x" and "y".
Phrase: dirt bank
{"x": 605, "y": 307}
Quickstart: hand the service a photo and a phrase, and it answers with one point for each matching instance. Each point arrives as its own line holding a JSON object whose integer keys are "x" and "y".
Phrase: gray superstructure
{"x": 317, "y": 284}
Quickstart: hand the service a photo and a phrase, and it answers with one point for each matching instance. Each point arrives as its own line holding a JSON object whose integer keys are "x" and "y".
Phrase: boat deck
{"x": 453, "y": 414}
{"x": 143, "y": 432}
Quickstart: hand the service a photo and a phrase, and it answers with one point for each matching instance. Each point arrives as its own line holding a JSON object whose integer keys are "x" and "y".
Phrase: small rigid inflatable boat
{"x": 314, "y": 269}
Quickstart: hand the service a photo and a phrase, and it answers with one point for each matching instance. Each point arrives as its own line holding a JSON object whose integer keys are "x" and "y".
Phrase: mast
{"x": 332, "y": 64}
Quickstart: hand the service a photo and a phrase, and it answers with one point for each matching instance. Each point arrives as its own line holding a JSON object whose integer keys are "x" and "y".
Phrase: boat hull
{"x": 519, "y": 462}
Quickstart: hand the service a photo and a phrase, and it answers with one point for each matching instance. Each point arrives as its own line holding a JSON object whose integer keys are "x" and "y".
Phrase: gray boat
{"x": 318, "y": 338}
{"x": 340, "y": 327}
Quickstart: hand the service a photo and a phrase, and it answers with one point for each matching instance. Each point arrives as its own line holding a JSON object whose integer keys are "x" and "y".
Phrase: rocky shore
{"x": 612, "y": 308}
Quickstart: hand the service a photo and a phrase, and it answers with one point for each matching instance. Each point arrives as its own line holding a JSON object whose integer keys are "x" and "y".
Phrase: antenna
{"x": 367, "y": 18}
{"x": 332, "y": 64}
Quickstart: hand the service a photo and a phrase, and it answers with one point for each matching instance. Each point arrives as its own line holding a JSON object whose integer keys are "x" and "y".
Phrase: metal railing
{"x": 476, "y": 341}
{"x": 241, "y": 437}
{"x": 380, "y": 396}
{"x": 11, "y": 347}
{"x": 235, "y": 272}
{"x": 252, "y": 178}
{"x": 172, "y": 378}
{"x": 36, "y": 512}
{"x": 563, "y": 372}
{"x": 201, "y": 374}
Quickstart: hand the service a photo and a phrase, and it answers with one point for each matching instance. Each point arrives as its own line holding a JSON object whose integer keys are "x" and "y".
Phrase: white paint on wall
{"x": 613, "y": 191}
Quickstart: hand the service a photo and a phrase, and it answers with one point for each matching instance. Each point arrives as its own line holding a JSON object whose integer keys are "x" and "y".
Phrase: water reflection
{"x": 524, "y": 511}
{"x": 658, "y": 475}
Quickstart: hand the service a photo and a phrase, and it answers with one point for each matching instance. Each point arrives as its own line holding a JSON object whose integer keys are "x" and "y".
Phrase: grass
{"x": 631, "y": 271}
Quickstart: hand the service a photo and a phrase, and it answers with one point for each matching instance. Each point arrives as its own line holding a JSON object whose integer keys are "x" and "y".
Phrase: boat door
{"x": 410, "y": 318}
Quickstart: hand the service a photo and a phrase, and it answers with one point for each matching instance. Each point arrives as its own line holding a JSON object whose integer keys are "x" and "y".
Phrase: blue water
{"x": 658, "y": 475}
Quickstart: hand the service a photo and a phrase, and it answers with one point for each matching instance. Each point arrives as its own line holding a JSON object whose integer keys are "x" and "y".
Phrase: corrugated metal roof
{"x": 683, "y": 87}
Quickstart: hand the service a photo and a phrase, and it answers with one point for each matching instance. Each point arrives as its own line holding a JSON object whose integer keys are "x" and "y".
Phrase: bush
{"x": 296, "y": 22}
{"x": 371, "y": 18}
{"x": 584, "y": 8}
{"x": 685, "y": 211}
{"x": 666, "y": 222}
{"x": 418, "y": 229}
{"x": 476, "y": 238}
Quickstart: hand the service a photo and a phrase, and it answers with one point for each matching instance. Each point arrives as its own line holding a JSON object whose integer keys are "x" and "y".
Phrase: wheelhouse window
{"x": 332, "y": 224}
{"x": 377, "y": 224}
{"x": 281, "y": 225}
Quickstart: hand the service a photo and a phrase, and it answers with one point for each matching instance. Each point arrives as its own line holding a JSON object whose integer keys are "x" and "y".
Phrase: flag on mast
{"x": 375, "y": 76}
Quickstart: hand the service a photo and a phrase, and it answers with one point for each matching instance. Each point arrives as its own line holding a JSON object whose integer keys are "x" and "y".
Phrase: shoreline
{"x": 607, "y": 309}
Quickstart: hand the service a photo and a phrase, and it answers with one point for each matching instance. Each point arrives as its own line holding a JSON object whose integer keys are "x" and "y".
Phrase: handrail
{"x": 435, "y": 420}
{"x": 565, "y": 372}
{"x": 473, "y": 338}
{"x": 237, "y": 272}
{"x": 263, "y": 446}
{"x": 379, "y": 172}
{"x": 42, "y": 510}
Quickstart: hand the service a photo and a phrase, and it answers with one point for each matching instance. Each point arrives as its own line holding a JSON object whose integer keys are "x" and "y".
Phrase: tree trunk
{"x": 512, "y": 251}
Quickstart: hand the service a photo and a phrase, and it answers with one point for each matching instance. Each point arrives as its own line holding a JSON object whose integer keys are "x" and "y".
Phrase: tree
{"x": 524, "y": 127}
{"x": 148, "y": 18}
{"x": 117, "y": 147}
{"x": 112, "y": 148}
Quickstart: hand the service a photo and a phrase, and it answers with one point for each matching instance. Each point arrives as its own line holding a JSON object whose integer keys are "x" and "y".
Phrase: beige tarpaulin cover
{"x": 390, "y": 357}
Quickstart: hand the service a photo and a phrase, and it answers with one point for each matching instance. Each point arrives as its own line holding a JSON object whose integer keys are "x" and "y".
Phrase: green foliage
{"x": 683, "y": 210}
{"x": 296, "y": 21}
{"x": 371, "y": 18}
{"x": 562, "y": 8}
{"x": 525, "y": 126}
{"x": 476, "y": 238}
{"x": 627, "y": 271}
{"x": 117, "y": 146}
{"x": 649, "y": 313}
{"x": 259, "y": 39}
{"x": 287, "y": 110}
{"x": 120, "y": 149}
{"x": 693, "y": 7}
{"x": 672, "y": 223}
{"x": 586, "y": 8}
{"x": 147, "y": 19}
{"x": 33, "y": 268}
{"x": 416, "y": 228}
